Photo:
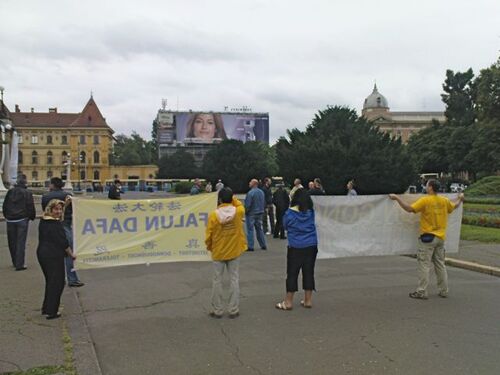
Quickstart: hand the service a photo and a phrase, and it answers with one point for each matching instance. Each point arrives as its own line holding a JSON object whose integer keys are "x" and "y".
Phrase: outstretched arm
{"x": 458, "y": 200}
{"x": 405, "y": 206}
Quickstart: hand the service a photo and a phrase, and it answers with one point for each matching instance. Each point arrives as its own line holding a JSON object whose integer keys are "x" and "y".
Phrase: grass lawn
{"x": 483, "y": 234}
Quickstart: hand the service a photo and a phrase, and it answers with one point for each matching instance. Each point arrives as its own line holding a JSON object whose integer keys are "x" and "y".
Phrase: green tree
{"x": 236, "y": 163}
{"x": 181, "y": 164}
{"x": 133, "y": 150}
{"x": 484, "y": 155}
{"x": 458, "y": 97}
{"x": 338, "y": 146}
{"x": 154, "y": 142}
{"x": 487, "y": 93}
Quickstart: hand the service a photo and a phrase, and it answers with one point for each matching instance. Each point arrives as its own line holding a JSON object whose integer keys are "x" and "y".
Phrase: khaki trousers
{"x": 432, "y": 252}
{"x": 233, "y": 269}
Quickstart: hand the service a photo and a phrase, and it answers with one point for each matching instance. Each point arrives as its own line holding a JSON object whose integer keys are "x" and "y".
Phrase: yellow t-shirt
{"x": 434, "y": 210}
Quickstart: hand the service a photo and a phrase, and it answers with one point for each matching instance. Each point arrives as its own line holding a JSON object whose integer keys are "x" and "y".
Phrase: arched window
{"x": 64, "y": 139}
{"x": 20, "y": 157}
{"x": 64, "y": 156}
{"x": 83, "y": 157}
{"x": 34, "y": 157}
{"x": 96, "y": 175}
{"x": 49, "y": 139}
{"x": 82, "y": 174}
{"x": 34, "y": 175}
{"x": 82, "y": 140}
{"x": 96, "y": 157}
{"x": 50, "y": 157}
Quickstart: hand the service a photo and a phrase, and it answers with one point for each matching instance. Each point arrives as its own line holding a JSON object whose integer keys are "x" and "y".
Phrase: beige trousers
{"x": 232, "y": 267}
{"x": 432, "y": 252}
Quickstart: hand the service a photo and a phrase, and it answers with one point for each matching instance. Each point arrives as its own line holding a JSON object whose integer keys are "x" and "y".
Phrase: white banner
{"x": 373, "y": 225}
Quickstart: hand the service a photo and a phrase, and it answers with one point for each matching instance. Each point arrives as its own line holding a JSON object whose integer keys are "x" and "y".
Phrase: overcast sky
{"x": 286, "y": 57}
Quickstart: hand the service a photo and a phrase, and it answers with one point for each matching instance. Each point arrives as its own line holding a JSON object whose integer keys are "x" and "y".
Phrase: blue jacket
{"x": 300, "y": 227}
{"x": 254, "y": 202}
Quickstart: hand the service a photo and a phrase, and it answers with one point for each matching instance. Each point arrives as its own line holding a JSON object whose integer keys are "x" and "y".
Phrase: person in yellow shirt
{"x": 434, "y": 210}
{"x": 225, "y": 238}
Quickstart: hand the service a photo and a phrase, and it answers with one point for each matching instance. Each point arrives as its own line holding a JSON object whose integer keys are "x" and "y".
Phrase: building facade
{"x": 397, "y": 124}
{"x": 50, "y": 140}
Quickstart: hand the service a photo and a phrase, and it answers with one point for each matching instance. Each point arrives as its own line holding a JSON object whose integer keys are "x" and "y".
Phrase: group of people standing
{"x": 55, "y": 238}
{"x": 225, "y": 239}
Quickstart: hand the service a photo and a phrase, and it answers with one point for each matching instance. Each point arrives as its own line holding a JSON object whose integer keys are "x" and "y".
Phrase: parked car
{"x": 455, "y": 187}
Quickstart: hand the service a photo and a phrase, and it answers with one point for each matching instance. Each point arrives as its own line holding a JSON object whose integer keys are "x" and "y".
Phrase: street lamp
{"x": 67, "y": 184}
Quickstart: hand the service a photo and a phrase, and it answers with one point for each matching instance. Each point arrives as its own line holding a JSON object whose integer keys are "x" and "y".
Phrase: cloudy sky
{"x": 286, "y": 57}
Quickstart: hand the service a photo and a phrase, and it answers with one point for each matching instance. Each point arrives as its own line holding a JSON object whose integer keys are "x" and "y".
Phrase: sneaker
{"x": 234, "y": 315}
{"x": 76, "y": 284}
{"x": 443, "y": 294}
{"x": 214, "y": 315}
{"x": 264, "y": 248}
{"x": 418, "y": 295}
{"x": 21, "y": 268}
{"x": 249, "y": 249}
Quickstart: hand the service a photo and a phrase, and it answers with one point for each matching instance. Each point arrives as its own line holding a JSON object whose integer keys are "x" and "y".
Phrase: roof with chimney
{"x": 89, "y": 118}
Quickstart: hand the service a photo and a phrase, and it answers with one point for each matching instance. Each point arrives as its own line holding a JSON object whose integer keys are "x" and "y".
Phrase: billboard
{"x": 209, "y": 127}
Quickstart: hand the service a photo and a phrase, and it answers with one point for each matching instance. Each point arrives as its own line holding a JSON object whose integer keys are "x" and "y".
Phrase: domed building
{"x": 397, "y": 124}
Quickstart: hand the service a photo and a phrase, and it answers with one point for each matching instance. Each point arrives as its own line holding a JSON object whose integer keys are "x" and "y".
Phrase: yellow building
{"x": 397, "y": 124}
{"x": 49, "y": 140}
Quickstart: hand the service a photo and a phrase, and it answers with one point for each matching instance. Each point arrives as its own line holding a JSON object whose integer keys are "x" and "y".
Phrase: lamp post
{"x": 67, "y": 184}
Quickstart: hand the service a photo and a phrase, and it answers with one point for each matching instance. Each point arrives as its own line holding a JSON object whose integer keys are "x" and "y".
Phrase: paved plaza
{"x": 153, "y": 320}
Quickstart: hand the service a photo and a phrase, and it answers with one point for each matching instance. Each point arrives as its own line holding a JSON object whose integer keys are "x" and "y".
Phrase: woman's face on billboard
{"x": 204, "y": 126}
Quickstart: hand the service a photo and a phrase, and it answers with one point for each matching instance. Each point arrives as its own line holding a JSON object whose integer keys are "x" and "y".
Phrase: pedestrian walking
{"x": 254, "y": 209}
{"x": 53, "y": 246}
{"x": 115, "y": 190}
{"x": 281, "y": 200}
{"x": 57, "y": 192}
{"x": 18, "y": 209}
{"x": 269, "y": 208}
{"x": 226, "y": 241}
{"x": 302, "y": 249}
{"x": 434, "y": 210}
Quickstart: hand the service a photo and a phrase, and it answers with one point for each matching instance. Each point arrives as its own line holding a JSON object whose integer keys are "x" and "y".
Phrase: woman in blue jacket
{"x": 302, "y": 249}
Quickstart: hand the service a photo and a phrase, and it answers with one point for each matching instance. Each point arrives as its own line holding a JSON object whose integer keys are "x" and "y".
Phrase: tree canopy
{"x": 181, "y": 164}
{"x": 133, "y": 150}
{"x": 236, "y": 163}
{"x": 338, "y": 146}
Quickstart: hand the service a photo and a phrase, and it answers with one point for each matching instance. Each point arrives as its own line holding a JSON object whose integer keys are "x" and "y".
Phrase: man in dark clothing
{"x": 317, "y": 189}
{"x": 56, "y": 192}
{"x": 269, "y": 209}
{"x": 18, "y": 209}
{"x": 281, "y": 200}
{"x": 115, "y": 190}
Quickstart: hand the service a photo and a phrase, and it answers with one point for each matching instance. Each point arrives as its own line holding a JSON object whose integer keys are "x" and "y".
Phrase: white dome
{"x": 375, "y": 100}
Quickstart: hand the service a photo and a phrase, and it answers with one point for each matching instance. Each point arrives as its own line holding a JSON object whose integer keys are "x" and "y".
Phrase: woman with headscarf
{"x": 53, "y": 246}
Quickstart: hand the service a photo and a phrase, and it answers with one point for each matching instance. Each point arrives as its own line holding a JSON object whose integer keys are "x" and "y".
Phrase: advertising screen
{"x": 209, "y": 127}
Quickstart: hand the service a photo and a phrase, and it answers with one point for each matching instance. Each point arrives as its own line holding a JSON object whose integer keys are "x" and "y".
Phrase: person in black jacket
{"x": 281, "y": 200}
{"x": 56, "y": 192}
{"x": 115, "y": 190}
{"x": 18, "y": 208}
{"x": 53, "y": 246}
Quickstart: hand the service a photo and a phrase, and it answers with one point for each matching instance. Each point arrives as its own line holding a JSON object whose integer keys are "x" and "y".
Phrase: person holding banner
{"x": 434, "y": 210}
{"x": 53, "y": 246}
{"x": 226, "y": 241}
{"x": 302, "y": 249}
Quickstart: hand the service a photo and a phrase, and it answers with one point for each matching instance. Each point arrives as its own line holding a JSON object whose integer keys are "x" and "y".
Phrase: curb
{"x": 471, "y": 266}
{"x": 84, "y": 353}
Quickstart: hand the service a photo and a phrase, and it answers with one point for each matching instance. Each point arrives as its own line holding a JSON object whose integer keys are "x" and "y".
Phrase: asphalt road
{"x": 153, "y": 320}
